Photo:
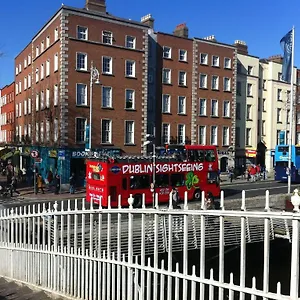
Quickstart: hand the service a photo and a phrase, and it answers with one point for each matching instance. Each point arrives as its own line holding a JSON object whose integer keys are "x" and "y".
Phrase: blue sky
{"x": 261, "y": 23}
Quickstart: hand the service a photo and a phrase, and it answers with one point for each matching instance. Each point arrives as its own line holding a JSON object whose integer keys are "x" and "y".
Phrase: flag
{"x": 287, "y": 45}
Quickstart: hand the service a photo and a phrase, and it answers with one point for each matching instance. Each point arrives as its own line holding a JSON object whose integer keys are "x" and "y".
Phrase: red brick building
{"x": 196, "y": 92}
{"x": 7, "y": 96}
{"x": 53, "y": 94}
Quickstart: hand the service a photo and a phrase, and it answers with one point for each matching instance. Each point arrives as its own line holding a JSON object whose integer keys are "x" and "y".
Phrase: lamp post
{"x": 152, "y": 141}
{"x": 94, "y": 77}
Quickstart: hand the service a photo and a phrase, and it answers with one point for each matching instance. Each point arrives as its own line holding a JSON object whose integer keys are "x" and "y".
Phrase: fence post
{"x": 130, "y": 249}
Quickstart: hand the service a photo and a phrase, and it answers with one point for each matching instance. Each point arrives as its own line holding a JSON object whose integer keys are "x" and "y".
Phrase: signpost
{"x": 61, "y": 157}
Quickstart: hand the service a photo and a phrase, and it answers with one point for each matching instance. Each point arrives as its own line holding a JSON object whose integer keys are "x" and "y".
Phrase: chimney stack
{"x": 211, "y": 38}
{"x": 276, "y": 58}
{"x": 148, "y": 20}
{"x": 181, "y": 30}
{"x": 241, "y": 47}
{"x": 96, "y": 5}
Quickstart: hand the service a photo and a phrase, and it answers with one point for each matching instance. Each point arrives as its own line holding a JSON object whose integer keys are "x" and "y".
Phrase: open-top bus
{"x": 134, "y": 175}
{"x": 281, "y": 163}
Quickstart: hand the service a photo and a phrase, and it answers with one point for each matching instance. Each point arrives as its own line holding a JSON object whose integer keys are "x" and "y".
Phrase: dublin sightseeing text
{"x": 161, "y": 168}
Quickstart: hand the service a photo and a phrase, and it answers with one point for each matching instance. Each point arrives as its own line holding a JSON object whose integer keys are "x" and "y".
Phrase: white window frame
{"x": 48, "y": 41}
{"x": 29, "y": 81}
{"x": 55, "y": 91}
{"x": 80, "y": 135}
{"x": 130, "y": 42}
{"x": 81, "y": 61}
{"x": 29, "y": 106}
{"x": 166, "y": 104}
{"x": 55, "y": 133}
{"x": 81, "y": 85}
{"x": 203, "y": 59}
{"x": 203, "y": 100}
{"x": 109, "y": 139}
{"x": 182, "y": 78}
{"x": 214, "y": 109}
{"x": 227, "y": 63}
{"x": 165, "y": 138}
{"x": 37, "y": 129}
{"x": 56, "y": 34}
{"x": 55, "y": 66}
{"x": 226, "y": 109}
{"x": 181, "y": 138}
{"x": 214, "y": 136}
{"x": 217, "y": 62}
{"x": 29, "y": 60}
{"x": 181, "y": 105}
{"x": 48, "y": 67}
{"x": 130, "y": 66}
{"x": 182, "y": 55}
{"x": 129, "y": 99}
{"x": 227, "y": 84}
{"x": 215, "y": 82}
{"x": 107, "y": 102}
{"x": 166, "y": 76}
{"x": 225, "y": 136}
{"x": 42, "y": 100}
{"x": 107, "y": 65}
{"x": 248, "y": 137}
{"x": 47, "y": 97}
{"x": 204, "y": 76}
{"x": 42, "y": 71}
{"x": 167, "y": 52}
{"x": 202, "y": 137}
{"x": 129, "y": 132}
{"x": 249, "y": 90}
{"x": 42, "y": 132}
{"x": 107, "y": 37}
{"x": 82, "y": 35}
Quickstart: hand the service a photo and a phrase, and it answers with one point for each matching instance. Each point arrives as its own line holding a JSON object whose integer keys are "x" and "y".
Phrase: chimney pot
{"x": 148, "y": 20}
{"x": 96, "y": 5}
{"x": 181, "y": 30}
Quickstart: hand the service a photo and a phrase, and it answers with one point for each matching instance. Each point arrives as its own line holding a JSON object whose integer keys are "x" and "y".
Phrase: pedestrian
{"x": 231, "y": 174}
{"x": 57, "y": 184}
{"x": 13, "y": 186}
{"x": 209, "y": 201}
{"x": 175, "y": 198}
{"x": 39, "y": 183}
{"x": 72, "y": 180}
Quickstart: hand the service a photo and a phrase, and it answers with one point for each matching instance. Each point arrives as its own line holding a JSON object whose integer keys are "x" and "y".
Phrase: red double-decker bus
{"x": 194, "y": 172}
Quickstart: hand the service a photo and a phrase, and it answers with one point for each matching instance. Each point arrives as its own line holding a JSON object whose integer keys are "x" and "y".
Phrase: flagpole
{"x": 291, "y": 114}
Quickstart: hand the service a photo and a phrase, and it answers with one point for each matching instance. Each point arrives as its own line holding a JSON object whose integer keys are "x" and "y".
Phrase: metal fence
{"x": 92, "y": 252}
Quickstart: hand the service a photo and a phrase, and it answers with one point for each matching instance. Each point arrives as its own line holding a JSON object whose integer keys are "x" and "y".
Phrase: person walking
{"x": 175, "y": 198}
{"x": 39, "y": 184}
{"x": 57, "y": 184}
{"x": 72, "y": 183}
{"x": 13, "y": 186}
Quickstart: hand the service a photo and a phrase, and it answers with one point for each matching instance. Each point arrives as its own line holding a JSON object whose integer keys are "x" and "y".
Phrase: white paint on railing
{"x": 68, "y": 247}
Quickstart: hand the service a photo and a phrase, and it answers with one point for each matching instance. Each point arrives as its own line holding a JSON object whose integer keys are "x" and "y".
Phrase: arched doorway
{"x": 223, "y": 164}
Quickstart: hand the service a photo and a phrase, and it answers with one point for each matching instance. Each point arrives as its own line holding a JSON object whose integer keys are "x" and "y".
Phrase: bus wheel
{"x": 197, "y": 194}
{"x": 137, "y": 202}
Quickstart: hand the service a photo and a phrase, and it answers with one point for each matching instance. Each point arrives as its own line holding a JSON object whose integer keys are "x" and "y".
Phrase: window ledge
{"x": 82, "y": 70}
{"x": 108, "y": 108}
{"x": 131, "y": 77}
{"x": 129, "y": 144}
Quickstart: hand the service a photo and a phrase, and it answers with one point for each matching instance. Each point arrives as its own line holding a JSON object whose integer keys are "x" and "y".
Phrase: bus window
{"x": 95, "y": 176}
{"x": 139, "y": 182}
{"x": 297, "y": 151}
{"x": 210, "y": 156}
{"x": 177, "y": 179}
{"x": 162, "y": 180}
{"x": 200, "y": 155}
{"x": 283, "y": 149}
{"x": 124, "y": 183}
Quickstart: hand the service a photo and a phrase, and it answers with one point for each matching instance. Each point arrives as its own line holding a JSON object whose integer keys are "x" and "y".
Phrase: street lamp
{"x": 93, "y": 78}
{"x": 152, "y": 141}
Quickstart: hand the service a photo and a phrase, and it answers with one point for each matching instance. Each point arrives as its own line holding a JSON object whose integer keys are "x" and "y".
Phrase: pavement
{"x": 226, "y": 181}
{"x": 10, "y": 290}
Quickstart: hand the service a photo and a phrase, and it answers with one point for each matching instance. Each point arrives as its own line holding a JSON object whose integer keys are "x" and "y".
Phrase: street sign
{"x": 61, "y": 154}
{"x": 34, "y": 153}
{"x": 38, "y": 160}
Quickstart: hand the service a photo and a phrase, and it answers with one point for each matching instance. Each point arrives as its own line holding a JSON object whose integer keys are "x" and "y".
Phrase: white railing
{"x": 83, "y": 252}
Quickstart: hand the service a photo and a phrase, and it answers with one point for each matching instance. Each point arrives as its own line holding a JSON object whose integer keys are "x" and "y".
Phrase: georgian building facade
{"x": 53, "y": 94}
